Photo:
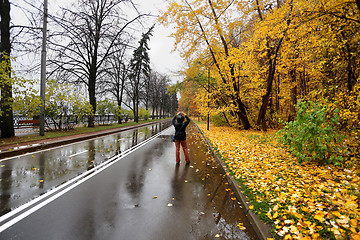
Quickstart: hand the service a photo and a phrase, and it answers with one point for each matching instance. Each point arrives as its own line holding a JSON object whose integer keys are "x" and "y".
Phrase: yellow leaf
{"x": 288, "y": 236}
{"x": 337, "y": 214}
{"x": 319, "y": 217}
{"x": 355, "y": 236}
{"x": 352, "y": 229}
{"x": 315, "y": 236}
{"x": 351, "y": 204}
{"x": 293, "y": 229}
{"x": 353, "y": 222}
{"x": 241, "y": 226}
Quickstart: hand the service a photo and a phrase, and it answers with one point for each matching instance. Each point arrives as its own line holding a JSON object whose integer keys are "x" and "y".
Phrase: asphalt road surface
{"x": 132, "y": 192}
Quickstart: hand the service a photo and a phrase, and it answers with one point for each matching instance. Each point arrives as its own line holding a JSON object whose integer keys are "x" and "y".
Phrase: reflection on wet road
{"x": 143, "y": 195}
{"x": 25, "y": 177}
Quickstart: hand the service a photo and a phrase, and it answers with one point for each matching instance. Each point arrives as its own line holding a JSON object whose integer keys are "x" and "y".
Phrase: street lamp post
{"x": 43, "y": 72}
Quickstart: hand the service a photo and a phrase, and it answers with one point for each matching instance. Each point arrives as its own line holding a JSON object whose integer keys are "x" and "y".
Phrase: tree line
{"x": 254, "y": 64}
{"x": 91, "y": 46}
{"x": 265, "y": 55}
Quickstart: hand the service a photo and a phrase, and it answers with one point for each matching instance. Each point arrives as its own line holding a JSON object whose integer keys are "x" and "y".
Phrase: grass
{"x": 61, "y": 133}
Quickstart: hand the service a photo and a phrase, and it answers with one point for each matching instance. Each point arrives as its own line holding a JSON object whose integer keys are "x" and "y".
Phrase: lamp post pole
{"x": 43, "y": 72}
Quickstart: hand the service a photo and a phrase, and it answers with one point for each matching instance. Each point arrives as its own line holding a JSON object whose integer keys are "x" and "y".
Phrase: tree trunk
{"x": 265, "y": 100}
{"x": 350, "y": 73}
{"x": 6, "y": 102}
{"x": 293, "y": 95}
{"x": 92, "y": 97}
{"x": 242, "y": 115}
{"x": 119, "y": 107}
{"x": 119, "y": 100}
{"x": 302, "y": 89}
{"x": 92, "y": 76}
{"x": 277, "y": 92}
{"x": 136, "y": 117}
{"x": 136, "y": 106}
{"x": 261, "y": 121}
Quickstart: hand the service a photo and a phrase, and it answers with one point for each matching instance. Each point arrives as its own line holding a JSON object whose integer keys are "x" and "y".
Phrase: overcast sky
{"x": 163, "y": 60}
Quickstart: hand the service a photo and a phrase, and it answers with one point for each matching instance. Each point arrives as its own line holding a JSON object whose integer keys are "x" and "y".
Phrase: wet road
{"x": 139, "y": 194}
{"x": 28, "y": 176}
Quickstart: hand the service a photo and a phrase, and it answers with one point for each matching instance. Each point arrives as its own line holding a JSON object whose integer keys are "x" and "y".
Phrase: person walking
{"x": 180, "y": 135}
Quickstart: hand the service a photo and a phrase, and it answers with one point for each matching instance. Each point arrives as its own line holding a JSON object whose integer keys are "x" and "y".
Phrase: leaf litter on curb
{"x": 303, "y": 201}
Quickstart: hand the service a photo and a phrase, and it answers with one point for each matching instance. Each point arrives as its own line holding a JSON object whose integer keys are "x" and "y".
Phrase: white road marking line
{"x": 92, "y": 173}
{"x": 73, "y": 155}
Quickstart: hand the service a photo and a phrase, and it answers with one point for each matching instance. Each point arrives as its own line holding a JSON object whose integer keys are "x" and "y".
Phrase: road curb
{"x": 262, "y": 229}
{"x": 32, "y": 148}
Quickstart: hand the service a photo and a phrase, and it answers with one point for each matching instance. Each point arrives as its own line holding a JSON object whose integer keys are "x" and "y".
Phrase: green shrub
{"x": 219, "y": 120}
{"x": 144, "y": 114}
{"x": 311, "y": 136}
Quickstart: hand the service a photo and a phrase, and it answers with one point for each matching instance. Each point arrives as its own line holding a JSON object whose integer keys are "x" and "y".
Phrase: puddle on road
{"x": 26, "y": 177}
{"x": 227, "y": 212}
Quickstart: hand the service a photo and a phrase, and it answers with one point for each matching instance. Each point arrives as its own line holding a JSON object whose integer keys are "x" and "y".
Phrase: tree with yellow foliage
{"x": 268, "y": 54}
{"x": 200, "y": 33}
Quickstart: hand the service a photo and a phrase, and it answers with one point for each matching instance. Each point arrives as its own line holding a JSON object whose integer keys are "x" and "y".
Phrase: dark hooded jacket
{"x": 180, "y": 128}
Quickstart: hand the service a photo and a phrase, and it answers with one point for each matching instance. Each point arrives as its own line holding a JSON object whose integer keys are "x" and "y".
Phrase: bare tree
{"x": 163, "y": 94}
{"x": 91, "y": 32}
{"x": 153, "y": 97}
{"x": 117, "y": 74}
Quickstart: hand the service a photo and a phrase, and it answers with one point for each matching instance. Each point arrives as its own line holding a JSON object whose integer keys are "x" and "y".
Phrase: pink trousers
{"x": 185, "y": 149}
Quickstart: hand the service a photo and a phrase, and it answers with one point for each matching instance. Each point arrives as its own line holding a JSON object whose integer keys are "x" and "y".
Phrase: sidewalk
{"x": 21, "y": 148}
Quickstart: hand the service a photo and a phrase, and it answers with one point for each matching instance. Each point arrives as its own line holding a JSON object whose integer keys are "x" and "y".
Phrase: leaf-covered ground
{"x": 303, "y": 201}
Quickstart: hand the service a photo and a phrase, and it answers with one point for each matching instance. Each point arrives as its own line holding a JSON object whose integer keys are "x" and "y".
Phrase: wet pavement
{"x": 141, "y": 195}
{"x": 28, "y": 176}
